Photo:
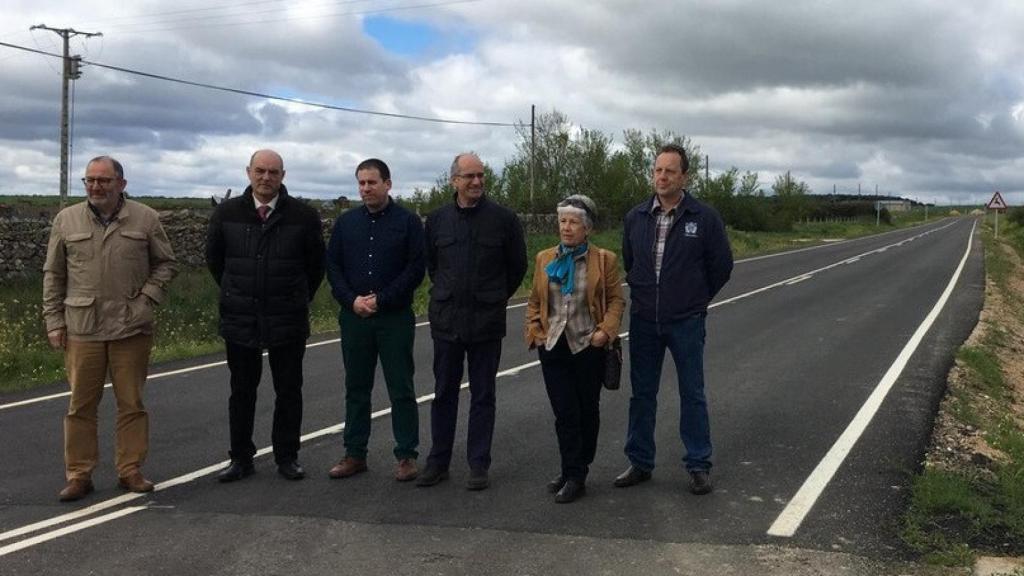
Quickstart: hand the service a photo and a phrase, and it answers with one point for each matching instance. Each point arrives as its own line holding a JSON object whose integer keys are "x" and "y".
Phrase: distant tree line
{"x": 573, "y": 160}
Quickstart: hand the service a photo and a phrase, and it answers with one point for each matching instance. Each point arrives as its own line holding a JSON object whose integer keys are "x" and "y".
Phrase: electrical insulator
{"x": 75, "y": 69}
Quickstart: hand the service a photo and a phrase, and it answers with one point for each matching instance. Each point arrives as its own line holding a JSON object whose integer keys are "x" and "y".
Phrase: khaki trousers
{"x": 88, "y": 364}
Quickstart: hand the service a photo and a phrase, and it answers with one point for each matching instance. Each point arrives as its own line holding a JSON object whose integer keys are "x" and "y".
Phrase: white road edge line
{"x": 28, "y": 542}
{"x": 29, "y": 401}
{"x": 793, "y": 515}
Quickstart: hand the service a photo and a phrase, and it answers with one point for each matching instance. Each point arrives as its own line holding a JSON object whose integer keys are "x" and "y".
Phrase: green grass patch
{"x": 984, "y": 371}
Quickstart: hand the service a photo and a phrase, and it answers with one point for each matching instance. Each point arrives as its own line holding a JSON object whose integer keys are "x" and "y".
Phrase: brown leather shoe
{"x": 135, "y": 482}
{"x": 348, "y": 466}
{"x": 76, "y": 489}
{"x": 407, "y": 470}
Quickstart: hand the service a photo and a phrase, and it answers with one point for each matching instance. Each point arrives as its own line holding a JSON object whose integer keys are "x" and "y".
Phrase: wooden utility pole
{"x": 533, "y": 149}
{"x": 72, "y": 71}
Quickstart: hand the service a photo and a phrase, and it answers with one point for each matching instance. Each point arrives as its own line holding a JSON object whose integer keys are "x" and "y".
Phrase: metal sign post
{"x": 998, "y": 204}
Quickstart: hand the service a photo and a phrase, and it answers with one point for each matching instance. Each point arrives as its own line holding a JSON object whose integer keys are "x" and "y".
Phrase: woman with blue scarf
{"x": 573, "y": 313}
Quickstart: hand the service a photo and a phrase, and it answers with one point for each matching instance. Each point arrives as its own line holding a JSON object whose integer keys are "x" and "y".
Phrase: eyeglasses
{"x": 98, "y": 181}
{"x": 472, "y": 176}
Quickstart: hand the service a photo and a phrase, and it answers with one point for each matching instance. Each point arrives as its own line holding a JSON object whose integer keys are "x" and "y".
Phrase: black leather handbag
{"x": 613, "y": 365}
{"x": 613, "y": 351}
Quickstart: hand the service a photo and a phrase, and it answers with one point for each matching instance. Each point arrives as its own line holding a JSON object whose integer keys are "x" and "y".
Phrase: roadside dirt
{"x": 960, "y": 447}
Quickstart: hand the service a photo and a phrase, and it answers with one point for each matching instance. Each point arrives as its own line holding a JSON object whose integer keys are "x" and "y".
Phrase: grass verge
{"x": 969, "y": 498}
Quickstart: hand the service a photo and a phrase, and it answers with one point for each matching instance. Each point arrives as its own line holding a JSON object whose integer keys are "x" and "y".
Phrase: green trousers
{"x": 389, "y": 336}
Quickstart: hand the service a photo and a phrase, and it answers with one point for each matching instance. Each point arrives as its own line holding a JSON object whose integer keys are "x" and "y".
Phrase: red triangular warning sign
{"x": 997, "y": 202}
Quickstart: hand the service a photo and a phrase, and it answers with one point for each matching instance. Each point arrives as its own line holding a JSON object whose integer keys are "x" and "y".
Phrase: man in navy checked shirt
{"x": 374, "y": 264}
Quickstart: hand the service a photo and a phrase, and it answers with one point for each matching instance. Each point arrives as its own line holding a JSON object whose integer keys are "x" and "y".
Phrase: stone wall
{"x": 22, "y": 246}
{"x": 23, "y": 240}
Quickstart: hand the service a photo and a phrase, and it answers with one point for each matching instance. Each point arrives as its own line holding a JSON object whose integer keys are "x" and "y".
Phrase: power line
{"x": 142, "y": 29}
{"x": 229, "y": 10}
{"x": 268, "y": 96}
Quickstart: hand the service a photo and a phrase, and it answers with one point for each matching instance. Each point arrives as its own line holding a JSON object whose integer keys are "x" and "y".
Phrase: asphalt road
{"x": 824, "y": 370}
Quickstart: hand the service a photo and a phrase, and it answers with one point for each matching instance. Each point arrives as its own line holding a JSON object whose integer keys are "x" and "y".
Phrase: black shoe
{"x": 572, "y": 490}
{"x": 291, "y": 470}
{"x": 236, "y": 471}
{"x": 631, "y": 477}
{"x": 478, "y": 480}
{"x": 431, "y": 475}
{"x": 556, "y": 484}
{"x": 700, "y": 482}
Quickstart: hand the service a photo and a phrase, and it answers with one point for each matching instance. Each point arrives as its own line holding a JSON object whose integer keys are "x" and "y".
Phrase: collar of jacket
{"x": 113, "y": 217}
{"x": 383, "y": 211}
{"x": 687, "y": 204}
{"x": 282, "y": 200}
{"x": 468, "y": 209}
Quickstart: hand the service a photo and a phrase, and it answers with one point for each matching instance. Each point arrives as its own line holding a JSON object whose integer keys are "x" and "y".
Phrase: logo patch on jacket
{"x": 690, "y": 229}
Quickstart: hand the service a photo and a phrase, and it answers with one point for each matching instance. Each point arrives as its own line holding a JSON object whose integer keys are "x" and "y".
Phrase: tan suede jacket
{"x": 102, "y": 283}
{"x": 604, "y": 295}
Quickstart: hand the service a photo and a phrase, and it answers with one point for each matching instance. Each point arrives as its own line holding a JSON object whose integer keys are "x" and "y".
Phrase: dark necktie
{"x": 263, "y": 210}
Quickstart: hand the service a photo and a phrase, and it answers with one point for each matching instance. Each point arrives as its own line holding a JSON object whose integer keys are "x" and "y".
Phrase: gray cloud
{"x": 917, "y": 97}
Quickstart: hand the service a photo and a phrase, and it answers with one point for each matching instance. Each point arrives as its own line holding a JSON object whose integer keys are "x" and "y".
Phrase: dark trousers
{"x": 390, "y": 336}
{"x": 246, "y": 365}
{"x": 574, "y": 389}
{"x": 647, "y": 344}
{"x": 483, "y": 359}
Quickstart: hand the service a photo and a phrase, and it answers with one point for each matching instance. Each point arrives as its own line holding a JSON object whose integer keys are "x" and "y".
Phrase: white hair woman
{"x": 573, "y": 313}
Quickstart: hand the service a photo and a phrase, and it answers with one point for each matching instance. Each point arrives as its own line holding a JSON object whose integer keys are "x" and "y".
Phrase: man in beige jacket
{"x": 108, "y": 264}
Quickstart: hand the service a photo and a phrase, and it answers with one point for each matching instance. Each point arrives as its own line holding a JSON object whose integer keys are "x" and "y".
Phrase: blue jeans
{"x": 685, "y": 341}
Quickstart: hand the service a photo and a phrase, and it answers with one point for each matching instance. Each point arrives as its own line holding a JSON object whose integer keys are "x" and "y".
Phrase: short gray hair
{"x": 454, "y": 171}
{"x": 582, "y": 205}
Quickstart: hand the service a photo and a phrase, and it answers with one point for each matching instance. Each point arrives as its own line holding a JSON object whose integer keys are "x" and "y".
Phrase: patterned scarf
{"x": 562, "y": 269}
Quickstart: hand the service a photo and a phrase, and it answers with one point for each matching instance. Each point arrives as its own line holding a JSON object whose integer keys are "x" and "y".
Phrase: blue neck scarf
{"x": 562, "y": 269}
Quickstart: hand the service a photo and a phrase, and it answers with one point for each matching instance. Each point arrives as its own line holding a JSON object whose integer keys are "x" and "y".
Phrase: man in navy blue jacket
{"x": 374, "y": 264}
{"x": 677, "y": 257}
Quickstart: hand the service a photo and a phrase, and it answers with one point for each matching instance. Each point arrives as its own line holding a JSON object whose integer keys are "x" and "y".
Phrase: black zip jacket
{"x": 476, "y": 259}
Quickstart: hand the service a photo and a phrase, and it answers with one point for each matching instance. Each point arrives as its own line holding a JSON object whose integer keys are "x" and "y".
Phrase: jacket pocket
{"x": 134, "y": 245}
{"x": 138, "y": 311}
{"x": 80, "y": 314}
{"x": 78, "y": 247}
{"x": 490, "y": 297}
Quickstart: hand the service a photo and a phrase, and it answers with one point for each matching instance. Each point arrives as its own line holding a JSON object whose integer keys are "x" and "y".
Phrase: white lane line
{"x": 825, "y": 245}
{"x": 421, "y": 324}
{"x": 28, "y": 542}
{"x": 195, "y": 475}
{"x": 812, "y": 272}
{"x": 793, "y": 515}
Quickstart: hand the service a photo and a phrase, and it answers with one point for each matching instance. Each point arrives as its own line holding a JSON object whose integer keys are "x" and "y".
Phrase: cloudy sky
{"x": 923, "y": 99}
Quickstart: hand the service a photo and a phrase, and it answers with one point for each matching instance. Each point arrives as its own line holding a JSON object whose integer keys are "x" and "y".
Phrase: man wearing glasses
{"x": 476, "y": 259}
{"x": 108, "y": 264}
{"x": 265, "y": 250}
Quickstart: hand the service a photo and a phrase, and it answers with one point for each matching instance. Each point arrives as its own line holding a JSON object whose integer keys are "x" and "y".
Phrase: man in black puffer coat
{"x": 266, "y": 252}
